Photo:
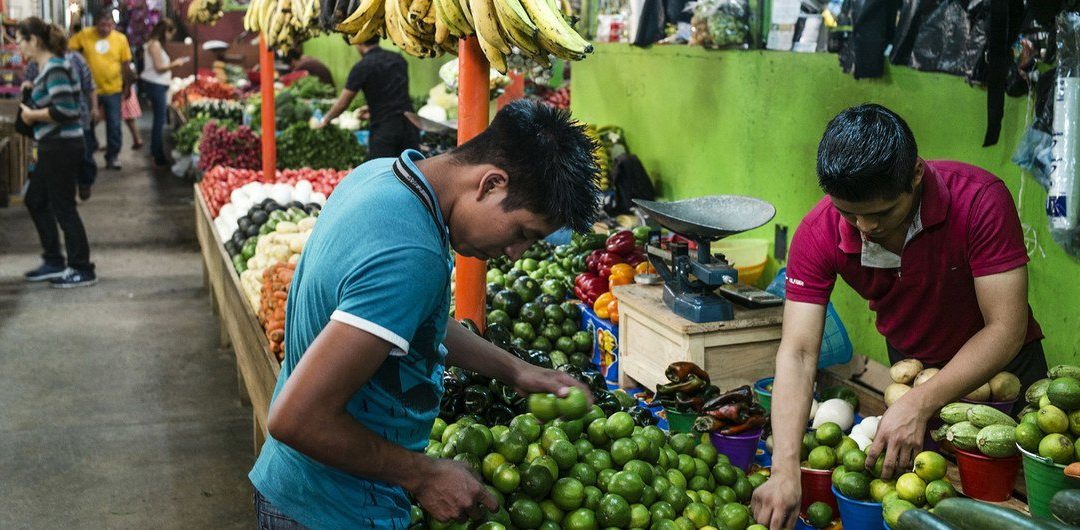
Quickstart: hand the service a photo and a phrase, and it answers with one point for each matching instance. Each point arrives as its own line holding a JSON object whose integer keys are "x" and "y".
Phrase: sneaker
{"x": 84, "y": 193}
{"x": 114, "y": 166}
{"x": 45, "y": 272}
{"x": 74, "y": 278}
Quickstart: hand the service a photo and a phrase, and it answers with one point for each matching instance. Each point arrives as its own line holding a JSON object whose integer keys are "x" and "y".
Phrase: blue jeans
{"x": 157, "y": 94}
{"x": 88, "y": 170}
{"x": 113, "y": 136}
{"x": 270, "y": 518}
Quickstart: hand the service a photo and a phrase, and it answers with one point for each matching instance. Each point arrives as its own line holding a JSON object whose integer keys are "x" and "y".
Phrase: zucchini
{"x": 969, "y": 514}
{"x": 1065, "y": 505}
{"x": 954, "y": 412}
{"x": 922, "y": 520}
{"x": 985, "y": 416}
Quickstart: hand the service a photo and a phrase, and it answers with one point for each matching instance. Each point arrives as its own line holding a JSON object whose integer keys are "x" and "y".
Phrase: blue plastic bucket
{"x": 864, "y": 515}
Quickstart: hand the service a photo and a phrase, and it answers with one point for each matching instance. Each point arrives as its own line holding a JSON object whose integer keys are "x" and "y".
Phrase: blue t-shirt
{"x": 378, "y": 261}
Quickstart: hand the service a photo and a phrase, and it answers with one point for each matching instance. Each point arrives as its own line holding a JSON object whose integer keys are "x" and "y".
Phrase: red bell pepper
{"x": 588, "y": 287}
{"x": 607, "y": 260}
{"x": 621, "y": 242}
{"x": 592, "y": 261}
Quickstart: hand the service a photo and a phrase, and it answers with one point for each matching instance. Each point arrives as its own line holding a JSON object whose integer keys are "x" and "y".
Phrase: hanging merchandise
{"x": 140, "y": 17}
{"x": 284, "y": 23}
{"x": 785, "y": 14}
{"x": 511, "y": 33}
{"x": 873, "y": 23}
{"x": 1063, "y": 199}
{"x": 720, "y": 23}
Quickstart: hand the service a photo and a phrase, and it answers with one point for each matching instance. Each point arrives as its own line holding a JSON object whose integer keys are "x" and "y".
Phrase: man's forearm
{"x": 792, "y": 391}
{"x": 984, "y": 355}
{"x": 469, "y": 351}
{"x": 339, "y": 106}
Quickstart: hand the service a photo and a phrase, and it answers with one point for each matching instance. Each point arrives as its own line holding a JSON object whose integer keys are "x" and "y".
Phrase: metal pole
{"x": 471, "y": 273}
{"x": 266, "y": 89}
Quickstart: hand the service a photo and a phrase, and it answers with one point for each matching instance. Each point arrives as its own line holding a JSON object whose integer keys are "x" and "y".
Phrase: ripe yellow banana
{"x": 494, "y": 55}
{"x": 555, "y": 33}
{"x": 417, "y": 10}
{"x": 357, "y": 19}
{"x": 517, "y": 28}
{"x": 372, "y": 27}
{"x": 451, "y": 10}
{"x": 487, "y": 26}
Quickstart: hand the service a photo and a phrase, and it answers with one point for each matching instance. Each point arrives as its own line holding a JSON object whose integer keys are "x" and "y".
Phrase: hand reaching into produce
{"x": 530, "y": 379}
{"x": 899, "y": 437}
{"x": 318, "y": 124}
{"x": 450, "y": 490}
{"x": 776, "y": 502}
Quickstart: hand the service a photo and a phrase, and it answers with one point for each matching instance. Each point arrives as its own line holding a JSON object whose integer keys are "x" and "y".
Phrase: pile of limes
{"x": 1050, "y": 426}
{"x": 583, "y": 470}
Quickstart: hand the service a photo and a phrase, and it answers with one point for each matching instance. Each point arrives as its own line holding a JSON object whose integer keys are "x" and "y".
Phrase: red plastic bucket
{"x": 987, "y": 478}
{"x": 817, "y": 486}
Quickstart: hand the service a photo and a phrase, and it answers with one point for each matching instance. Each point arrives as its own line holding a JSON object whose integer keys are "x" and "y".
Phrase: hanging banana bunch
{"x": 511, "y": 33}
{"x": 284, "y": 23}
{"x": 205, "y": 11}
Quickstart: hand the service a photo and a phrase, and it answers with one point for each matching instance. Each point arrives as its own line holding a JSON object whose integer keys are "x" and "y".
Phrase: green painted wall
{"x": 749, "y": 122}
{"x": 340, "y": 57}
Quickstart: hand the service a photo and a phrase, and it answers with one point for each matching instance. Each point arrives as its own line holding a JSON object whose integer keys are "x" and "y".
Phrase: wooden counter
{"x": 736, "y": 352}
{"x": 256, "y": 367}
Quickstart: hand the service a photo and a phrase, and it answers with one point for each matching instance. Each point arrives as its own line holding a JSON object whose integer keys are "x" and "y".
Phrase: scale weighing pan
{"x": 432, "y": 126}
{"x": 712, "y": 217}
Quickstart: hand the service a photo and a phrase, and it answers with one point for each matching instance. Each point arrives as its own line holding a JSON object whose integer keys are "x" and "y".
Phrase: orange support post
{"x": 266, "y": 90}
{"x": 471, "y": 273}
{"x": 514, "y": 92}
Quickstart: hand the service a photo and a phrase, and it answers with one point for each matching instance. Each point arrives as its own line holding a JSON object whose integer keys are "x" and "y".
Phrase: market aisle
{"x": 119, "y": 410}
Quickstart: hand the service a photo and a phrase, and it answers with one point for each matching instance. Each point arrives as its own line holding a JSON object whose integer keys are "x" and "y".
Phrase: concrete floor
{"x": 118, "y": 408}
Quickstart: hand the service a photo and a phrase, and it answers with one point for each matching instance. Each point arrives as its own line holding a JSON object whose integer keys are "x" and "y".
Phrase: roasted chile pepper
{"x": 678, "y": 371}
{"x": 707, "y": 424}
{"x": 450, "y": 408}
{"x": 692, "y": 383}
{"x": 498, "y": 414}
{"x": 498, "y": 335}
{"x": 752, "y": 423}
{"x": 643, "y": 417}
{"x": 686, "y": 403}
{"x": 476, "y": 399}
{"x": 621, "y": 243}
{"x": 743, "y": 394}
{"x": 728, "y": 413}
{"x": 607, "y": 402}
{"x": 471, "y": 326}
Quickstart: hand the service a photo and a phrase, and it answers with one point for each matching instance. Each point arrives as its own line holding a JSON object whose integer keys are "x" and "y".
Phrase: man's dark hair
{"x": 105, "y": 12}
{"x": 374, "y": 41}
{"x": 293, "y": 54}
{"x": 548, "y": 158}
{"x": 867, "y": 153}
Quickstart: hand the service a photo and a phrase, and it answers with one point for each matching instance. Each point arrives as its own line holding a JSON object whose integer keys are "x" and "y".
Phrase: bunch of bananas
{"x": 205, "y": 11}
{"x": 284, "y": 23}
{"x": 510, "y": 32}
{"x": 601, "y": 156}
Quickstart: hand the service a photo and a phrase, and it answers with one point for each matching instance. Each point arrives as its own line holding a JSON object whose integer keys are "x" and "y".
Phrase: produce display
{"x": 219, "y": 184}
{"x": 616, "y": 262}
{"x": 327, "y": 148}
{"x": 979, "y": 428}
{"x": 221, "y": 146}
{"x": 186, "y": 137}
{"x": 275, "y": 292}
{"x": 283, "y": 244}
{"x": 201, "y": 87}
{"x": 910, "y": 373}
{"x": 1050, "y": 424}
{"x": 597, "y": 471}
{"x": 467, "y": 394}
{"x": 284, "y": 23}
{"x": 509, "y": 31}
{"x": 205, "y": 11}
{"x": 310, "y": 87}
{"x": 218, "y": 109}
{"x": 966, "y": 514}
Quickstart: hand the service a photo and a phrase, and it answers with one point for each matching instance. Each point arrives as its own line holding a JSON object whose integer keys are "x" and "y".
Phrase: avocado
{"x": 259, "y": 217}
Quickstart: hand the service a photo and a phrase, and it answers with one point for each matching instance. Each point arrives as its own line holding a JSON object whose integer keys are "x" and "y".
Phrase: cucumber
{"x": 985, "y": 416}
{"x": 963, "y": 435}
{"x": 1065, "y": 505}
{"x": 954, "y": 412}
{"x": 922, "y": 520}
{"x": 969, "y": 514}
{"x": 998, "y": 441}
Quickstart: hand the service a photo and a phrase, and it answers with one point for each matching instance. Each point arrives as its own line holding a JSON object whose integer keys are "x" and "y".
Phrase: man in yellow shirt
{"x": 108, "y": 55}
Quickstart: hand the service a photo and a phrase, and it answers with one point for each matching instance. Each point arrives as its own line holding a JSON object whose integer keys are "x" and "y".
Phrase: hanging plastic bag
{"x": 1033, "y": 154}
{"x": 952, "y": 38}
{"x": 836, "y": 345}
{"x": 1063, "y": 198}
{"x": 719, "y": 23}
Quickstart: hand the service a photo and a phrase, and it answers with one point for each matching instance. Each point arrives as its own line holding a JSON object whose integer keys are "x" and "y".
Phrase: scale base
{"x": 697, "y": 307}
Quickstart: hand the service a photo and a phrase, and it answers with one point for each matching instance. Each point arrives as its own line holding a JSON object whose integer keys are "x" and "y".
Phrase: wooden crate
{"x": 736, "y": 352}
{"x": 16, "y": 151}
{"x": 257, "y": 368}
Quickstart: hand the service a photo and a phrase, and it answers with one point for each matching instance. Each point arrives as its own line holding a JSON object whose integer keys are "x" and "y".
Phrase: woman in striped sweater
{"x": 53, "y": 112}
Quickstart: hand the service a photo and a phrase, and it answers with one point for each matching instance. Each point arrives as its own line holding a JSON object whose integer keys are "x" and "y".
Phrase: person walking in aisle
{"x": 383, "y": 77}
{"x": 156, "y": 78}
{"x": 108, "y": 55}
{"x": 367, "y": 337}
{"x": 87, "y": 110}
{"x": 50, "y": 196}
{"x": 131, "y": 111}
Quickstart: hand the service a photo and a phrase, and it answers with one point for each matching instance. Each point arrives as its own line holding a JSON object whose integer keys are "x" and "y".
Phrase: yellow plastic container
{"x": 747, "y": 255}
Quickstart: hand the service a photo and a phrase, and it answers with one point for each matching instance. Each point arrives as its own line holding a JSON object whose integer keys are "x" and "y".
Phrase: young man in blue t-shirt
{"x": 367, "y": 333}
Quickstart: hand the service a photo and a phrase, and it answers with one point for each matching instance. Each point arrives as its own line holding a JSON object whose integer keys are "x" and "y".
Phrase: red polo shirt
{"x": 927, "y": 307}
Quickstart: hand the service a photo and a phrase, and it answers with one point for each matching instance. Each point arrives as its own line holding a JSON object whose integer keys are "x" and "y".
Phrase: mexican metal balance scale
{"x": 692, "y": 281}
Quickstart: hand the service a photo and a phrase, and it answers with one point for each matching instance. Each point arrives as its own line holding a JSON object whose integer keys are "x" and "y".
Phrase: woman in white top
{"x": 156, "y": 78}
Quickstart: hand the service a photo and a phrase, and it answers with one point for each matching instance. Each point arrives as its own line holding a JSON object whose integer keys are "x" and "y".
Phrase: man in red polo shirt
{"x": 937, "y": 250}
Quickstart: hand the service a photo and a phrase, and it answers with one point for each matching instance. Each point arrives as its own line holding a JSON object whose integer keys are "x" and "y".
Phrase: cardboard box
{"x": 605, "y": 336}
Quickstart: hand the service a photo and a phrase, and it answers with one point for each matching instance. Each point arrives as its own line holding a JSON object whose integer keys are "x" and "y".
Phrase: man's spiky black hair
{"x": 548, "y": 158}
{"x": 867, "y": 152}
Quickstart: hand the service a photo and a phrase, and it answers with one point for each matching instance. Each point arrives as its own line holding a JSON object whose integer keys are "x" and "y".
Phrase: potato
{"x": 904, "y": 372}
{"x": 979, "y": 394}
{"x": 1004, "y": 387}
{"x": 925, "y": 376}
{"x": 893, "y": 393}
